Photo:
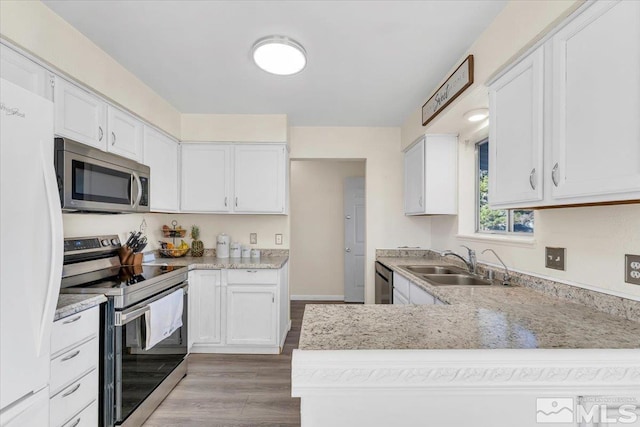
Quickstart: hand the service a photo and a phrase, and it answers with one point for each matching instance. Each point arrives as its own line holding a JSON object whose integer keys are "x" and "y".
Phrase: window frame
{"x": 476, "y": 195}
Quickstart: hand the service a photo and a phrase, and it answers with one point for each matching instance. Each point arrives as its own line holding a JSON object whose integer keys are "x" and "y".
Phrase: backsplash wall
{"x": 237, "y": 226}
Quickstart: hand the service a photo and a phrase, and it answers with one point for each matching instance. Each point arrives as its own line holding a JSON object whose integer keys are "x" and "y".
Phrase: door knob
{"x": 348, "y": 217}
{"x": 348, "y": 250}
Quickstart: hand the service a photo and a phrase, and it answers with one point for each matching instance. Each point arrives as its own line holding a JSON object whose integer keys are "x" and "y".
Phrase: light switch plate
{"x": 555, "y": 258}
{"x": 278, "y": 239}
{"x": 632, "y": 269}
{"x": 253, "y": 238}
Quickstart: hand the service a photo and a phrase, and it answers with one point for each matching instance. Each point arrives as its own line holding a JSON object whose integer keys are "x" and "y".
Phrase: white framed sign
{"x": 457, "y": 82}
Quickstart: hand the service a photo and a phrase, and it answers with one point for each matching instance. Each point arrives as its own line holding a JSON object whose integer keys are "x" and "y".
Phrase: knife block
{"x": 127, "y": 257}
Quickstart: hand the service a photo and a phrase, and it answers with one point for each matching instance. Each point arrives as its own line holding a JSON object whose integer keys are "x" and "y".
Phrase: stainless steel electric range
{"x": 134, "y": 380}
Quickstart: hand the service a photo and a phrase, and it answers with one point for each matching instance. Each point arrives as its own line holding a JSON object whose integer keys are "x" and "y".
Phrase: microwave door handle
{"x": 139, "y": 193}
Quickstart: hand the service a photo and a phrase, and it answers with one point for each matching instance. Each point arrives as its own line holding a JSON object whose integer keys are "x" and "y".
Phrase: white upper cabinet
{"x": 582, "y": 146}
{"x": 414, "y": 179}
{"x": 431, "y": 176}
{"x": 25, "y": 73}
{"x": 125, "y": 134}
{"x": 80, "y": 115}
{"x": 260, "y": 178}
{"x": 596, "y": 105}
{"x": 516, "y": 133}
{"x": 228, "y": 178}
{"x": 161, "y": 154}
{"x": 206, "y": 178}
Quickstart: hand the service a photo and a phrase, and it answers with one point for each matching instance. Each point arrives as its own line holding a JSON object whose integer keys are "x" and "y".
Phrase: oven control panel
{"x": 75, "y": 245}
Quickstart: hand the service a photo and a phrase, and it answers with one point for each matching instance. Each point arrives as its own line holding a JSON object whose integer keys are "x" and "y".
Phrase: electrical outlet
{"x": 278, "y": 239}
{"x": 555, "y": 258}
{"x": 632, "y": 269}
{"x": 253, "y": 238}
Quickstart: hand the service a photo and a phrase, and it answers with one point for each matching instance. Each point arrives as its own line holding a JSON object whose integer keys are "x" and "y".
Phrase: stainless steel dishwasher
{"x": 384, "y": 284}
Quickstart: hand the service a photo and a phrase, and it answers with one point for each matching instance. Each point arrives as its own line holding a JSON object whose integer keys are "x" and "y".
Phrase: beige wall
{"x": 35, "y": 28}
{"x": 234, "y": 127}
{"x": 317, "y": 225}
{"x": 386, "y": 224}
{"x": 596, "y": 238}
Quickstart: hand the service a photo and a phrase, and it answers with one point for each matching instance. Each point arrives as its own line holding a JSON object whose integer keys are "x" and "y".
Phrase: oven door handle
{"x": 124, "y": 317}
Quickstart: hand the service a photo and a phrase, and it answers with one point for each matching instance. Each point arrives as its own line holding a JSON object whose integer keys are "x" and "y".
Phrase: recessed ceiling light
{"x": 477, "y": 114}
{"x": 279, "y": 55}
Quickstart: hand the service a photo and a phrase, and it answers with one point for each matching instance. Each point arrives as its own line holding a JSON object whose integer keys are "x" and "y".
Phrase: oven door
{"x": 94, "y": 185}
{"x": 138, "y": 372}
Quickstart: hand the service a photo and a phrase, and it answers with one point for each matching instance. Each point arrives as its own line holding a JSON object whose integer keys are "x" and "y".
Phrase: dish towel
{"x": 164, "y": 317}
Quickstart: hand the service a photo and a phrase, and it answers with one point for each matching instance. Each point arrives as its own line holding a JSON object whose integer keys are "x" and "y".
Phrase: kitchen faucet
{"x": 471, "y": 263}
{"x": 507, "y": 276}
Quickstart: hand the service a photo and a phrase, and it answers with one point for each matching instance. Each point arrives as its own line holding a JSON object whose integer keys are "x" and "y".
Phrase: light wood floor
{"x": 235, "y": 390}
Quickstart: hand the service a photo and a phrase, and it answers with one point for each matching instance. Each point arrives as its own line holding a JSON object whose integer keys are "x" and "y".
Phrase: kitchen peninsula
{"x": 482, "y": 358}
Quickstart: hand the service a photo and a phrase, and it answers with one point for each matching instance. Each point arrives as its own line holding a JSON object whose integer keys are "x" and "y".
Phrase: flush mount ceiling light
{"x": 477, "y": 114}
{"x": 279, "y": 55}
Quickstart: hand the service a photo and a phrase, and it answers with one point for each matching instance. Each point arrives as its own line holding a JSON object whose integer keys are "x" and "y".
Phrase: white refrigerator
{"x": 31, "y": 244}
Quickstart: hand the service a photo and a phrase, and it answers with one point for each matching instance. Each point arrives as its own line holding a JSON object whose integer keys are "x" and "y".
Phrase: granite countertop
{"x": 213, "y": 263}
{"x": 487, "y": 317}
{"x": 69, "y": 304}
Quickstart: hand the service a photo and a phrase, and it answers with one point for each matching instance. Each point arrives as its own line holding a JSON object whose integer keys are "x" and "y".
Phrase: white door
{"x": 125, "y": 134}
{"x": 354, "y": 239}
{"x": 32, "y": 222}
{"x": 252, "y": 315}
{"x": 80, "y": 115}
{"x": 205, "y": 307}
{"x": 414, "y": 180}
{"x": 260, "y": 178}
{"x": 25, "y": 73}
{"x": 596, "y": 104}
{"x": 516, "y": 133}
{"x": 161, "y": 155}
{"x": 205, "y": 178}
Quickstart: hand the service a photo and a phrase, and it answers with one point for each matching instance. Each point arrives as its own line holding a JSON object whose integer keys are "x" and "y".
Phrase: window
{"x": 501, "y": 220}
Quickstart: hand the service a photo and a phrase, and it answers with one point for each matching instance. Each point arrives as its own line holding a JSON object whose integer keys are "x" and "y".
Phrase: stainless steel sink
{"x": 454, "y": 280}
{"x": 430, "y": 269}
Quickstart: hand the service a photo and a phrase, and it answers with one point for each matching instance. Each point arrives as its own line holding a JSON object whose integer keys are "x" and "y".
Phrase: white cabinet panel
{"x": 401, "y": 285}
{"x": 80, "y": 115}
{"x": 125, "y": 134}
{"x": 252, "y": 315}
{"x": 417, "y": 295}
{"x": 431, "y": 176}
{"x": 399, "y": 299}
{"x": 206, "y": 178}
{"x": 260, "y": 178}
{"x": 88, "y": 417}
{"x": 516, "y": 133}
{"x": 414, "y": 179}
{"x": 72, "y": 399}
{"x": 161, "y": 154}
{"x": 205, "y": 307}
{"x": 67, "y": 332}
{"x": 25, "y": 73}
{"x": 596, "y": 104}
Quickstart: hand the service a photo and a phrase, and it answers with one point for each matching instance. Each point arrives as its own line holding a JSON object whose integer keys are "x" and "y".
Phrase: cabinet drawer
{"x": 251, "y": 277}
{"x": 72, "y": 364}
{"x": 401, "y": 285}
{"x": 88, "y": 417}
{"x": 68, "y": 331}
{"x": 72, "y": 399}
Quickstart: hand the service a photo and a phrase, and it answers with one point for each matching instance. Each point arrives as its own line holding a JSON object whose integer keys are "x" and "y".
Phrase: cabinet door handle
{"x": 71, "y": 356}
{"x": 420, "y": 201}
{"x": 532, "y": 179}
{"x": 113, "y": 138}
{"x": 73, "y": 390}
{"x": 225, "y": 202}
{"x": 236, "y": 202}
{"x": 76, "y": 422}
{"x": 347, "y": 250}
{"x": 100, "y": 133}
{"x": 554, "y": 175}
{"x": 75, "y": 319}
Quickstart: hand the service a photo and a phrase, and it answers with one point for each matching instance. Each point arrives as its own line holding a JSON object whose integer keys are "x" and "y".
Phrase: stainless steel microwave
{"x": 90, "y": 180}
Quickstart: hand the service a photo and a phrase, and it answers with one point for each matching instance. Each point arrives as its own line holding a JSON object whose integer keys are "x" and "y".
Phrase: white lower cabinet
{"x": 417, "y": 295}
{"x": 74, "y": 370}
{"x": 398, "y": 298}
{"x": 238, "y": 310}
{"x": 407, "y": 292}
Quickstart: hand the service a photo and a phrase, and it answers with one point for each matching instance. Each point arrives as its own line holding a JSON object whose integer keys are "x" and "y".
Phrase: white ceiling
{"x": 370, "y": 63}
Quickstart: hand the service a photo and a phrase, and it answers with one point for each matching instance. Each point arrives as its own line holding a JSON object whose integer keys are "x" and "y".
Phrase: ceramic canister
{"x": 236, "y": 250}
{"x": 246, "y": 252}
{"x": 222, "y": 245}
{"x": 255, "y": 253}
